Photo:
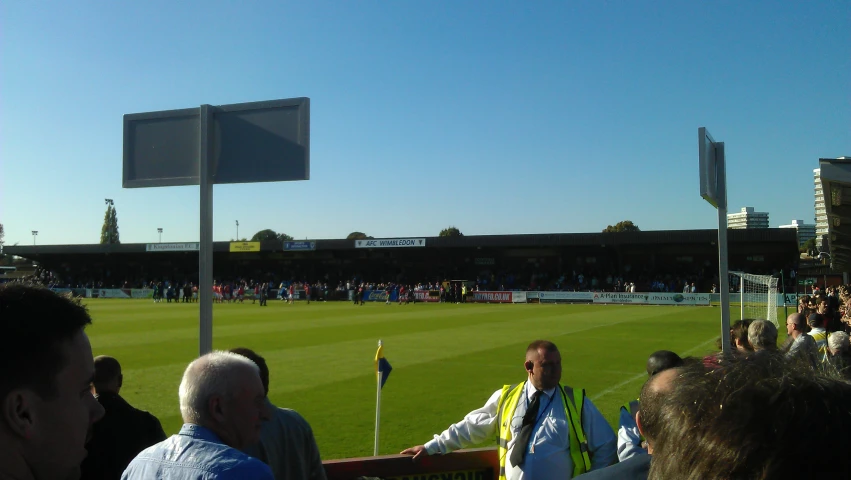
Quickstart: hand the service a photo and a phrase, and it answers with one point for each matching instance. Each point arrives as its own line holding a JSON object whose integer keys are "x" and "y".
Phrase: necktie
{"x": 518, "y": 453}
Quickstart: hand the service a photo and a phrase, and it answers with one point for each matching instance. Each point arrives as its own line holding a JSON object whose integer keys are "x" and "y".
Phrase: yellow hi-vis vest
{"x": 821, "y": 343}
{"x": 579, "y": 453}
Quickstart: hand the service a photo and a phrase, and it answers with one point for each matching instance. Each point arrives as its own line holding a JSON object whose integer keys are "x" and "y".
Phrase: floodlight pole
{"x": 723, "y": 268}
{"x": 205, "y": 251}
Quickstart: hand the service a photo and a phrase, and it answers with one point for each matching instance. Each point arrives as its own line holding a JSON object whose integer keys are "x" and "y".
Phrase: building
{"x": 747, "y": 219}
{"x": 496, "y": 261}
{"x": 821, "y": 213}
{"x": 805, "y": 232}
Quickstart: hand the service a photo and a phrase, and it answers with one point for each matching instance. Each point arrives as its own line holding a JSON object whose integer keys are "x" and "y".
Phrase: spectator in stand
{"x": 839, "y": 354}
{"x": 802, "y": 346}
{"x": 816, "y": 323}
{"x": 123, "y": 432}
{"x": 739, "y": 335}
{"x": 222, "y": 402}
{"x": 653, "y": 395}
{"x": 749, "y": 419}
{"x": 630, "y": 442}
{"x": 286, "y": 441}
{"x": 762, "y": 336}
{"x": 46, "y": 369}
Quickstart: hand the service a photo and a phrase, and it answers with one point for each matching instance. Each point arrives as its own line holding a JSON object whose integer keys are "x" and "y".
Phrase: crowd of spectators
{"x": 533, "y": 277}
{"x": 736, "y": 414}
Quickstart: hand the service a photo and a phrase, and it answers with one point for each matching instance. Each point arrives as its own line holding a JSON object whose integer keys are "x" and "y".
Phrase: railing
{"x": 473, "y": 464}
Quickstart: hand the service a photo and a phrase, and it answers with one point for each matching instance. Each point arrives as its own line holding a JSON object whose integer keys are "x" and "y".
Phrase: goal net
{"x": 756, "y": 295}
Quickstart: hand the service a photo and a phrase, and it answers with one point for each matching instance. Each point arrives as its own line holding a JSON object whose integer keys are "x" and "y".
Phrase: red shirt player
{"x": 292, "y": 293}
{"x": 256, "y": 292}
{"x": 307, "y": 292}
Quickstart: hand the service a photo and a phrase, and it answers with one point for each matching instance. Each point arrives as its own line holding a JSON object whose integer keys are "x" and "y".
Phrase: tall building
{"x": 747, "y": 218}
{"x": 805, "y": 232}
{"x": 821, "y": 213}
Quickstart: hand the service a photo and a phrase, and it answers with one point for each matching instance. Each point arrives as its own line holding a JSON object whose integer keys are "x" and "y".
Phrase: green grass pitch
{"x": 447, "y": 359}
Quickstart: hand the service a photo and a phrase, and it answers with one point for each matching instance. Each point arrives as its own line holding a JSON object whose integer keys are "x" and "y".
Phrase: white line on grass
{"x": 644, "y": 374}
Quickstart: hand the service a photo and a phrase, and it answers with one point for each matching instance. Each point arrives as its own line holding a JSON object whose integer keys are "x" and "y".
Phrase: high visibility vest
{"x": 579, "y": 453}
{"x": 821, "y": 343}
{"x": 631, "y": 408}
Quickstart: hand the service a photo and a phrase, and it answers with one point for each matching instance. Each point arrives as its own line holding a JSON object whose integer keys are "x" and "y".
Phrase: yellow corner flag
{"x": 382, "y": 366}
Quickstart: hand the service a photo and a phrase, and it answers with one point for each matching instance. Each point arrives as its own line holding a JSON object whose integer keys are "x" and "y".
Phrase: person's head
{"x": 108, "y": 377}
{"x": 662, "y": 360}
{"x": 46, "y": 369}
{"x": 739, "y": 335}
{"x": 815, "y": 320}
{"x": 838, "y": 343}
{"x": 762, "y": 335}
{"x": 796, "y": 324}
{"x": 749, "y": 419}
{"x": 543, "y": 363}
{"x": 222, "y": 391}
{"x": 259, "y": 361}
{"x": 651, "y": 399}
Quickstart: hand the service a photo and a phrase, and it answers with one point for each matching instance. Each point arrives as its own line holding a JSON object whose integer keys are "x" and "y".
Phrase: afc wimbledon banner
{"x": 172, "y": 247}
{"x": 653, "y": 298}
{"x": 390, "y": 243}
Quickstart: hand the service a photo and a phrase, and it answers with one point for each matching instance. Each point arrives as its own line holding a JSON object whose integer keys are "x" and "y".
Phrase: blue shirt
{"x": 195, "y": 453}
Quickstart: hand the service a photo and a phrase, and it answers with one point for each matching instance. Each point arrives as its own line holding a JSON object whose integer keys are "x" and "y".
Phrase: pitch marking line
{"x": 644, "y": 374}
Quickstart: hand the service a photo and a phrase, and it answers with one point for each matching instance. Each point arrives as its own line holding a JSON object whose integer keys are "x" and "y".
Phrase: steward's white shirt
{"x": 548, "y": 456}
{"x": 629, "y": 438}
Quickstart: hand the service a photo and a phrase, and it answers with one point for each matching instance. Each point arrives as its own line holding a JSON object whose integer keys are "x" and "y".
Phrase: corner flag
{"x": 382, "y": 371}
{"x": 382, "y": 366}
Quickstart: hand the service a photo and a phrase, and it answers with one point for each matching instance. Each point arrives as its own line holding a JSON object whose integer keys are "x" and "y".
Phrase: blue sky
{"x": 496, "y": 117}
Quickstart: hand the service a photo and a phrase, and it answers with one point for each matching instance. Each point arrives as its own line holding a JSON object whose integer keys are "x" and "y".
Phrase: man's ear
{"x": 638, "y": 421}
{"x": 216, "y": 408}
{"x": 17, "y": 413}
{"x": 529, "y": 366}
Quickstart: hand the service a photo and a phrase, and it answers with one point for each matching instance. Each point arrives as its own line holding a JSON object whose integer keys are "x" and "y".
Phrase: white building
{"x": 747, "y": 218}
{"x": 821, "y": 213}
{"x": 805, "y": 232}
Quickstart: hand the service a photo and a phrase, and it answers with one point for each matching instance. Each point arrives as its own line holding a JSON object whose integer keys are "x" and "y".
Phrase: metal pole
{"x": 377, "y": 413}
{"x": 741, "y": 298}
{"x": 783, "y": 286}
{"x": 723, "y": 280}
{"x": 205, "y": 252}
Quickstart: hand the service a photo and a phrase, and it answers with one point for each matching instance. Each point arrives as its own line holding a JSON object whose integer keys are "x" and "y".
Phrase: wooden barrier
{"x": 473, "y": 464}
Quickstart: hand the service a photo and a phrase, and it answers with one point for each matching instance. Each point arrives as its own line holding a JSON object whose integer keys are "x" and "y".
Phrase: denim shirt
{"x": 195, "y": 453}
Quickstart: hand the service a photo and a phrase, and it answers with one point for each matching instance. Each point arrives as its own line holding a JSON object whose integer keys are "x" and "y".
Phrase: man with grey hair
{"x": 222, "y": 402}
{"x": 762, "y": 335}
{"x": 839, "y": 354}
{"x": 802, "y": 347}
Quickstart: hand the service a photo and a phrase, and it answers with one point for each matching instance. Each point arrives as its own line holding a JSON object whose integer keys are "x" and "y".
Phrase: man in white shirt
{"x": 545, "y": 445}
{"x": 630, "y": 441}
{"x": 803, "y": 346}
